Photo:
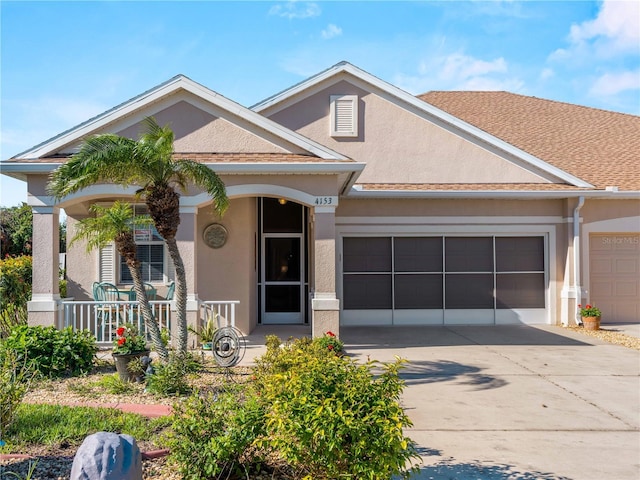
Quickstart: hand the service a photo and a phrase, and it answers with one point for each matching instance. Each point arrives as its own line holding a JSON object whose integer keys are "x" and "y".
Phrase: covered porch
{"x": 241, "y": 265}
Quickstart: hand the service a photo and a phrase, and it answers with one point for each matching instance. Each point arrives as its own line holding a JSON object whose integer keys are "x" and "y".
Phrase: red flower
{"x": 330, "y": 347}
{"x": 120, "y": 331}
{"x": 588, "y": 306}
{"x": 122, "y": 341}
{"x": 580, "y": 306}
{"x": 331, "y": 334}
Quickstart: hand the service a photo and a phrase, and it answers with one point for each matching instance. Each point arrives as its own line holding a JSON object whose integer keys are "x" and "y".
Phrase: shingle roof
{"x": 598, "y": 146}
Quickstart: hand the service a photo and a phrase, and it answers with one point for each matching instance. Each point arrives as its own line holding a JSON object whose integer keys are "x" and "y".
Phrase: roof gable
{"x": 361, "y": 79}
{"x": 179, "y": 88}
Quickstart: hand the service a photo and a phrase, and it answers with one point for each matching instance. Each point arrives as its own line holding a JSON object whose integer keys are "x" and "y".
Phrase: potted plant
{"x": 590, "y": 317}
{"x": 128, "y": 346}
{"x": 207, "y": 332}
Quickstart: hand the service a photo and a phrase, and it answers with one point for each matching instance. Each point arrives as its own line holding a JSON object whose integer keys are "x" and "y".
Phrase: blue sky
{"x": 64, "y": 62}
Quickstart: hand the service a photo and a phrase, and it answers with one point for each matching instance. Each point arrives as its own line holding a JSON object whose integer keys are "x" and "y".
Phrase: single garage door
{"x": 431, "y": 280}
{"x": 614, "y": 276}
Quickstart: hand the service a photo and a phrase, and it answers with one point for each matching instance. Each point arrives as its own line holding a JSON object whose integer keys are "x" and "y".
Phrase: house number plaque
{"x": 215, "y": 235}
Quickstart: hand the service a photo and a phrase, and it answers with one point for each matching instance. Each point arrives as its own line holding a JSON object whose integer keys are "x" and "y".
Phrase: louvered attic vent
{"x": 344, "y": 115}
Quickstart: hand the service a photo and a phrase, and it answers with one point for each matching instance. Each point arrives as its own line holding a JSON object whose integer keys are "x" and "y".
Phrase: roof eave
{"x": 356, "y": 192}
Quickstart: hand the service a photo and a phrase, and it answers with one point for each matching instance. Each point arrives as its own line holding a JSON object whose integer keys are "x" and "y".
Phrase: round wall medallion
{"x": 215, "y": 235}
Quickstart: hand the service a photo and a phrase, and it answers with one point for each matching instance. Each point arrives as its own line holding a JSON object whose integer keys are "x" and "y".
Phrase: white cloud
{"x": 616, "y": 28}
{"x": 614, "y": 83}
{"x": 331, "y": 31}
{"x": 294, "y": 10}
{"x": 458, "y": 66}
{"x": 547, "y": 73}
{"x": 458, "y": 71}
{"x": 613, "y": 33}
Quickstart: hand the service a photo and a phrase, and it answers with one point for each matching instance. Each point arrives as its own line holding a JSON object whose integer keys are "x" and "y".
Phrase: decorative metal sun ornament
{"x": 228, "y": 346}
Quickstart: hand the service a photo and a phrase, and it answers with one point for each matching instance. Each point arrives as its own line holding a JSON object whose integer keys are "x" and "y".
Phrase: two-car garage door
{"x": 443, "y": 280}
{"x": 614, "y": 276}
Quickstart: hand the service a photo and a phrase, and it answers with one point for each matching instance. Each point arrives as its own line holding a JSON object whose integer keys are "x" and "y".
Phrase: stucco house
{"x": 356, "y": 203}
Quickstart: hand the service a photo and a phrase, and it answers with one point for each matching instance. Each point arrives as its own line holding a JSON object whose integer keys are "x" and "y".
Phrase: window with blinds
{"x": 156, "y": 267}
{"x": 344, "y": 115}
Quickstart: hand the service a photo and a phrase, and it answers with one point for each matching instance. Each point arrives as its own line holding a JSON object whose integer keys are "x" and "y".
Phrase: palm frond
{"x": 107, "y": 225}
{"x": 205, "y": 178}
{"x": 102, "y": 158}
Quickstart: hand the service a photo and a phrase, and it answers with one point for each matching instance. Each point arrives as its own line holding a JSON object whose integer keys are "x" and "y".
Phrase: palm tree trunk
{"x": 147, "y": 314}
{"x": 180, "y": 294}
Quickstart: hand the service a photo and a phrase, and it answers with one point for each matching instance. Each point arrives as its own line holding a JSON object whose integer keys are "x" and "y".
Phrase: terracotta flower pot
{"x": 591, "y": 323}
{"x": 122, "y": 364}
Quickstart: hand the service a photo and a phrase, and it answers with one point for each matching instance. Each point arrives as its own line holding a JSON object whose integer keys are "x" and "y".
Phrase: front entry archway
{"x": 283, "y": 276}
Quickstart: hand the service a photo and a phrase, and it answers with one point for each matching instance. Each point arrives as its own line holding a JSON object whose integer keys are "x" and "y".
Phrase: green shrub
{"x": 321, "y": 416}
{"x": 113, "y": 384}
{"x": 15, "y": 292}
{"x": 50, "y": 352}
{"x": 11, "y": 317}
{"x": 171, "y": 378}
{"x": 14, "y": 383}
{"x": 15, "y": 281}
{"x": 213, "y": 436}
{"x": 332, "y": 417}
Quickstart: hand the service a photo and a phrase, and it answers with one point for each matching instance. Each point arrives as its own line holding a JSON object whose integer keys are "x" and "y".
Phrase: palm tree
{"x": 150, "y": 164}
{"x": 114, "y": 224}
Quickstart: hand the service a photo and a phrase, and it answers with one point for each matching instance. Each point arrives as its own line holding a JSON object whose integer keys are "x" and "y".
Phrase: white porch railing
{"x": 222, "y": 312}
{"x": 103, "y": 318}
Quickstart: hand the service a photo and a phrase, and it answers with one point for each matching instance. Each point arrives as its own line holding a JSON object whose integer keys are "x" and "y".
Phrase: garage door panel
{"x": 626, "y": 289}
{"x": 626, "y": 266}
{"x": 601, "y": 266}
{"x": 626, "y": 310}
{"x": 615, "y": 276}
{"x": 603, "y": 289}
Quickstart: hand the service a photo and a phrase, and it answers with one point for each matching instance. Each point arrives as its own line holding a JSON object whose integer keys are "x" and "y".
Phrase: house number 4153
{"x": 325, "y": 201}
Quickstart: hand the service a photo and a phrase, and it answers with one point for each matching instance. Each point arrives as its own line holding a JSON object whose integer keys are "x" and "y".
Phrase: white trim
{"x": 287, "y": 167}
{"x": 337, "y": 73}
{"x": 546, "y": 315}
{"x": 256, "y": 190}
{"x": 45, "y": 210}
{"x": 191, "y": 209}
{"x": 358, "y": 192}
{"x": 456, "y": 316}
{"x": 475, "y": 220}
{"x": 325, "y": 209}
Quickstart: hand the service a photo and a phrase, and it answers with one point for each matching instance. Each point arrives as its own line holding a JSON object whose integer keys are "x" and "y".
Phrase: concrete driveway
{"x": 514, "y": 402}
{"x": 508, "y": 402}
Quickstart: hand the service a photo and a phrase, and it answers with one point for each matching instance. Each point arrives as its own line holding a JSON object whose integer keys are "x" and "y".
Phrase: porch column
{"x": 45, "y": 293}
{"x": 186, "y": 240}
{"x": 325, "y": 306}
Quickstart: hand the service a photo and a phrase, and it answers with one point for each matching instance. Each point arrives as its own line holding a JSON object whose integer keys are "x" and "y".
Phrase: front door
{"x": 283, "y": 261}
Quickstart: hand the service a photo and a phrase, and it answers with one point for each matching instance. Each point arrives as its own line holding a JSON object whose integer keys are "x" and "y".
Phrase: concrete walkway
{"x": 514, "y": 402}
